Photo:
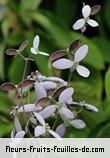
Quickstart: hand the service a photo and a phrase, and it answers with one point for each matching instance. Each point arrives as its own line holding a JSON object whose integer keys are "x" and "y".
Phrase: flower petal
{"x": 54, "y": 134}
{"x": 66, "y": 95}
{"x": 61, "y": 130}
{"x": 83, "y": 71}
{"x": 83, "y": 29}
{"x": 90, "y": 108}
{"x": 86, "y": 11}
{"x": 39, "y": 130}
{"x": 20, "y": 134}
{"x": 57, "y": 79}
{"x": 33, "y": 51}
{"x": 93, "y": 23}
{"x": 17, "y": 124}
{"x": 66, "y": 113}
{"x": 79, "y": 24}
{"x": 40, "y": 119}
{"x": 81, "y": 53}
{"x": 49, "y": 85}
{"x": 36, "y": 42}
{"x": 40, "y": 91}
{"x": 29, "y": 108}
{"x": 77, "y": 123}
{"x": 48, "y": 111}
{"x": 63, "y": 64}
{"x": 43, "y": 53}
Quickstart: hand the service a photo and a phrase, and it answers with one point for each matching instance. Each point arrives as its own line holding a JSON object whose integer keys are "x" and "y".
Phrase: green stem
{"x": 69, "y": 78}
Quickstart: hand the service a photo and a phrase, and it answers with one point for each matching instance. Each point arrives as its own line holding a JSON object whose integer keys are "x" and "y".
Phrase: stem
{"x": 69, "y": 78}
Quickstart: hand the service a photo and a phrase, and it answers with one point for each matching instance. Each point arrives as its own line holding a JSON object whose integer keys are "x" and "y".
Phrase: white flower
{"x": 81, "y": 23}
{"x": 67, "y": 63}
{"x": 35, "y": 48}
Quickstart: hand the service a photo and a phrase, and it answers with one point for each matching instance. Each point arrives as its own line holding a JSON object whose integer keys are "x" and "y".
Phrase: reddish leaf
{"x": 8, "y": 86}
{"x": 74, "y": 45}
{"x": 11, "y": 51}
{"x": 23, "y": 45}
{"x": 42, "y": 101}
{"x": 58, "y": 54}
{"x": 58, "y": 91}
{"x": 95, "y": 9}
{"x": 25, "y": 83}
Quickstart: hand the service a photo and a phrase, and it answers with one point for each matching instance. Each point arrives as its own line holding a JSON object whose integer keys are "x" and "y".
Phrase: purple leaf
{"x": 8, "y": 86}
{"x": 95, "y": 9}
{"x": 66, "y": 95}
{"x": 58, "y": 91}
{"x": 61, "y": 130}
{"x": 48, "y": 85}
{"x": 26, "y": 83}
{"x": 42, "y": 101}
{"x": 63, "y": 64}
{"x": 23, "y": 45}
{"x": 77, "y": 123}
{"x": 74, "y": 45}
{"x": 48, "y": 111}
{"x": 58, "y": 54}
{"x": 39, "y": 130}
{"x": 40, "y": 91}
{"x": 11, "y": 52}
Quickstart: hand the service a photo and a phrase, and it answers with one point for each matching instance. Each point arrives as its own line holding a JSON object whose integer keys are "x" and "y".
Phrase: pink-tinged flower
{"x": 81, "y": 23}
{"x": 90, "y": 107}
{"x": 57, "y": 80}
{"x": 78, "y": 57}
{"x": 17, "y": 132}
{"x": 48, "y": 111}
{"x": 35, "y": 48}
{"x": 44, "y": 128}
{"x": 78, "y": 123}
{"x": 29, "y": 108}
{"x": 87, "y": 106}
{"x": 40, "y": 91}
{"x": 65, "y": 98}
{"x": 61, "y": 129}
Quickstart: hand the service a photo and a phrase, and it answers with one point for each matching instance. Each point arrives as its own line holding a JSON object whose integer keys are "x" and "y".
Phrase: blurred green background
{"x": 53, "y": 20}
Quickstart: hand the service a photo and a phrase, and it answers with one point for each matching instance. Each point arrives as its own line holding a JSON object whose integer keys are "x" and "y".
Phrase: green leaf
{"x": 107, "y": 12}
{"x": 76, "y": 133}
{"x": 107, "y": 84}
{"x": 30, "y": 4}
{"x": 16, "y": 70}
{"x": 5, "y": 103}
{"x": 5, "y": 129}
{"x": 2, "y": 75}
{"x": 102, "y": 130}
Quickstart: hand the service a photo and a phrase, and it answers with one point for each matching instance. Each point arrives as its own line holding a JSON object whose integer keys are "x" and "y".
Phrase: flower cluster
{"x": 53, "y": 109}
